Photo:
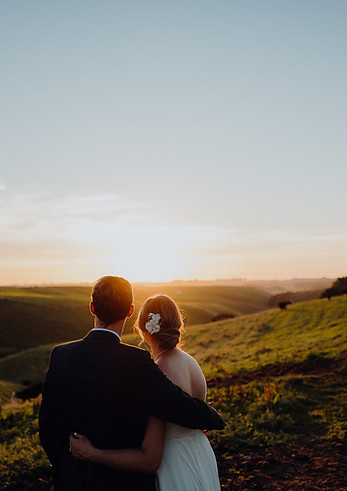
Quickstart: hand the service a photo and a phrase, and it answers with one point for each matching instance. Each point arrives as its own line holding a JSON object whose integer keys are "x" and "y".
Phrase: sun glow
{"x": 146, "y": 254}
{"x": 155, "y": 253}
{"x": 79, "y": 239}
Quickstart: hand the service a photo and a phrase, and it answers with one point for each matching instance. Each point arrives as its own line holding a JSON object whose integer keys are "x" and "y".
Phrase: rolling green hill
{"x": 307, "y": 329}
{"x": 246, "y": 343}
{"x": 25, "y": 368}
{"x": 277, "y": 377}
{"x": 35, "y": 316}
{"x": 31, "y": 317}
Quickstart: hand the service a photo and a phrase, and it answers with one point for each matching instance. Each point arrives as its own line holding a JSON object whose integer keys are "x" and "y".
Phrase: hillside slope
{"x": 310, "y": 329}
{"x": 278, "y": 378}
{"x": 314, "y": 328}
{"x": 31, "y": 317}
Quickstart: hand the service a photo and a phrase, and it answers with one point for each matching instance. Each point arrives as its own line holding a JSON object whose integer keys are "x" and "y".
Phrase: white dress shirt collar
{"x": 107, "y": 330}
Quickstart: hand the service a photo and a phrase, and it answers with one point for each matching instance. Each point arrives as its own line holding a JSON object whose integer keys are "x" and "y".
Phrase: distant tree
{"x": 339, "y": 287}
{"x": 329, "y": 292}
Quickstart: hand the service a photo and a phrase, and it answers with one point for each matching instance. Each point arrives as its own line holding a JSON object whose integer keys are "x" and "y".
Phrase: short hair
{"x": 171, "y": 320}
{"x": 112, "y": 297}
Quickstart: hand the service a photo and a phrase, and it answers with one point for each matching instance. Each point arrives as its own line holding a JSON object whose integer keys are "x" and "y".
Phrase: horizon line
{"x": 172, "y": 282}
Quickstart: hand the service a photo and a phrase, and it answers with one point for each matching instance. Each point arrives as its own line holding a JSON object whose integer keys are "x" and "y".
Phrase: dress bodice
{"x": 176, "y": 432}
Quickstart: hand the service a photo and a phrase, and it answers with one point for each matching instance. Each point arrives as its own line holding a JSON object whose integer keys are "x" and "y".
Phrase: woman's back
{"x": 184, "y": 371}
{"x": 188, "y": 462}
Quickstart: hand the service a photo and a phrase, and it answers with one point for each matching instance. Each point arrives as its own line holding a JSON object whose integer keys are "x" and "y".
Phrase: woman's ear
{"x": 131, "y": 310}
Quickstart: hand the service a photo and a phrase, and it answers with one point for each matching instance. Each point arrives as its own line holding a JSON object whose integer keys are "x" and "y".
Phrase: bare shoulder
{"x": 174, "y": 359}
{"x": 184, "y": 371}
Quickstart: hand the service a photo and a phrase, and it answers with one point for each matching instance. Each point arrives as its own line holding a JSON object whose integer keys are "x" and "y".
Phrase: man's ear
{"x": 131, "y": 310}
{"x": 91, "y": 308}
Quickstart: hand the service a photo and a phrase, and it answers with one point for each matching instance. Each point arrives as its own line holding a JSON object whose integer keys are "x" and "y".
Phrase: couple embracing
{"x": 113, "y": 419}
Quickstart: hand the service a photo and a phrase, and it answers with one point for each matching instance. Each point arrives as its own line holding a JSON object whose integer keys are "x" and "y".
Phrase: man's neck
{"x": 114, "y": 326}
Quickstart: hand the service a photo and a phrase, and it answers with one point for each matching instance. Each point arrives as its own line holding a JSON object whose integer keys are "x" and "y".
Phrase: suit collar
{"x": 103, "y": 334}
{"x": 106, "y": 330}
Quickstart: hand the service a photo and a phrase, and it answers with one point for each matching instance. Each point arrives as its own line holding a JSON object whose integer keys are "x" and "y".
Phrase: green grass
{"x": 246, "y": 343}
{"x": 260, "y": 410}
{"x": 238, "y": 345}
{"x": 25, "y": 368}
{"x": 7, "y": 389}
{"x": 30, "y": 317}
{"x": 23, "y": 463}
{"x": 34, "y": 316}
{"x": 279, "y": 409}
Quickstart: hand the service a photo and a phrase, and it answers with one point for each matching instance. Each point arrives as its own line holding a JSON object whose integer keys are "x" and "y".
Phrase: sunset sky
{"x": 163, "y": 140}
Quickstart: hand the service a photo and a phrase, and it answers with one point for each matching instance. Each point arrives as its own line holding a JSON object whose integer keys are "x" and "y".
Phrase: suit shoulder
{"x": 134, "y": 351}
{"x": 63, "y": 347}
{"x": 69, "y": 344}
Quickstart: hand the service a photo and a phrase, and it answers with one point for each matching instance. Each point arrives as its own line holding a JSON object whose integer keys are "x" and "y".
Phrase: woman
{"x": 187, "y": 459}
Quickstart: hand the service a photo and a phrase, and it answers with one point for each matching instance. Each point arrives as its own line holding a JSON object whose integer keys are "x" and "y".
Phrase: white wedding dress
{"x": 188, "y": 463}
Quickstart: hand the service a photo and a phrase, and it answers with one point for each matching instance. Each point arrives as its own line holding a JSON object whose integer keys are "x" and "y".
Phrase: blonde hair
{"x": 171, "y": 320}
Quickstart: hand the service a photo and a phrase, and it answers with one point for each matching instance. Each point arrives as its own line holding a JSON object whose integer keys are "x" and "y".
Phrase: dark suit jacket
{"x": 105, "y": 390}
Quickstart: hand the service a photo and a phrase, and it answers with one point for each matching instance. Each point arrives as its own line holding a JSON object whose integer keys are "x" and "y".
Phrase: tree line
{"x": 339, "y": 287}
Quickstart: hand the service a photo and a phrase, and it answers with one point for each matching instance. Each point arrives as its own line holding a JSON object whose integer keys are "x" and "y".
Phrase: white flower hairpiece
{"x": 153, "y": 325}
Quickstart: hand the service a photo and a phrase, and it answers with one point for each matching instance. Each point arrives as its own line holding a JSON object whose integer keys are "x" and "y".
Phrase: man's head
{"x": 111, "y": 299}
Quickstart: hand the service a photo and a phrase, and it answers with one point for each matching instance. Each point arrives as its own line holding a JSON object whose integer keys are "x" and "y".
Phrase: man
{"x": 104, "y": 389}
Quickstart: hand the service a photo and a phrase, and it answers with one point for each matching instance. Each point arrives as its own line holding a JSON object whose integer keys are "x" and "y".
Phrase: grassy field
{"x": 278, "y": 378}
{"x": 34, "y": 316}
{"x": 308, "y": 329}
{"x": 30, "y": 317}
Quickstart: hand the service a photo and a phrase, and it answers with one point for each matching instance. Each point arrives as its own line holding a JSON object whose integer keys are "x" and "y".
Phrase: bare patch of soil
{"x": 310, "y": 463}
{"x": 296, "y": 466}
{"x": 316, "y": 366}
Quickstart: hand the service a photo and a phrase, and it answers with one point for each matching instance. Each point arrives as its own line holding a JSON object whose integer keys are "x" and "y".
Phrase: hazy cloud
{"x": 52, "y": 237}
{"x": 33, "y": 213}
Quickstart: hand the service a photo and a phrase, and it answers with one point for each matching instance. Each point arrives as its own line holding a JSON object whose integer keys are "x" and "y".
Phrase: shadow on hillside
{"x": 314, "y": 364}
